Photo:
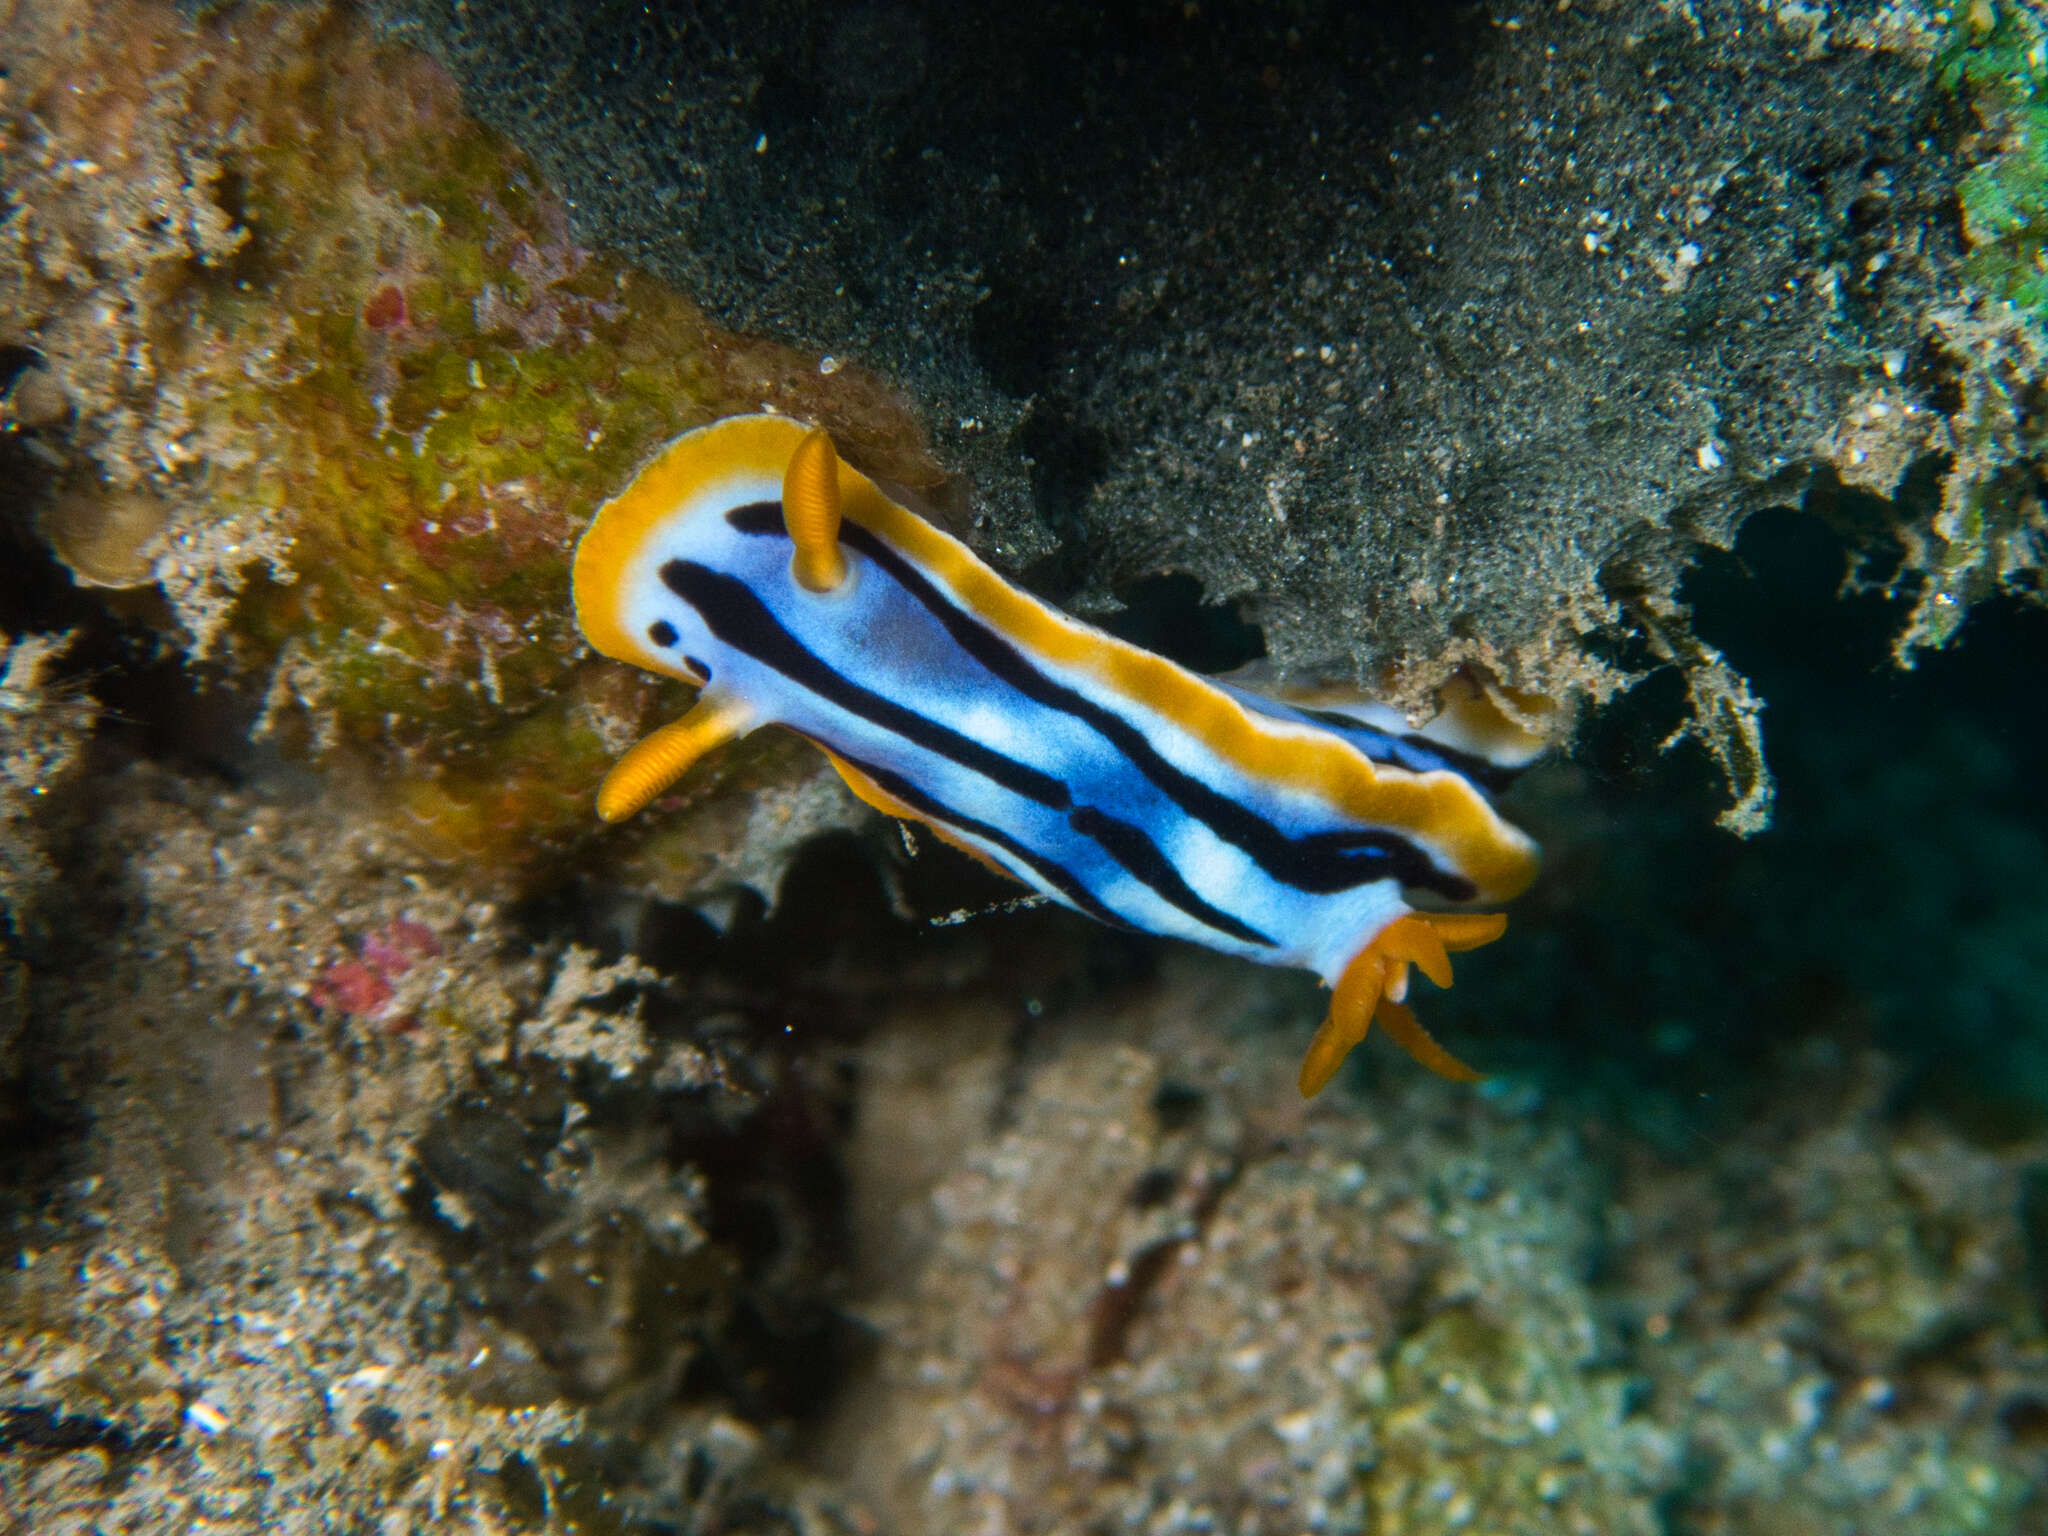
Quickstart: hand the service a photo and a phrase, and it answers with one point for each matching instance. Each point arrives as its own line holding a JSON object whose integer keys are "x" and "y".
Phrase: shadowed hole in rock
{"x": 2025, "y": 1418}
{"x": 1168, "y": 614}
{"x": 1856, "y": 917}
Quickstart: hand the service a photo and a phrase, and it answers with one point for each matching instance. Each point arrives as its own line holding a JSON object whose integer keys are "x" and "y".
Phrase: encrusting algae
{"x": 321, "y": 361}
{"x": 1983, "y": 531}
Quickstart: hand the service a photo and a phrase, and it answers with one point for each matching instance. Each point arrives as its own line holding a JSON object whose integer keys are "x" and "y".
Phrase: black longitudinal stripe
{"x": 1131, "y": 847}
{"x": 1418, "y": 753}
{"x": 735, "y": 615}
{"x": 1319, "y": 863}
{"x": 1380, "y": 855}
{"x": 1053, "y": 874}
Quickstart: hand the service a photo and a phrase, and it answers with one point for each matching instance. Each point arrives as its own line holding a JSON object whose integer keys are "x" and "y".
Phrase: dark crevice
{"x": 37, "y": 1428}
{"x": 1168, "y": 614}
{"x": 1905, "y": 839}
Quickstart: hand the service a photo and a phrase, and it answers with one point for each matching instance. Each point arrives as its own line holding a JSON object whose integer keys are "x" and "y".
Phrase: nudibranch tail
{"x": 1375, "y": 985}
{"x": 668, "y": 754}
{"x": 811, "y": 511}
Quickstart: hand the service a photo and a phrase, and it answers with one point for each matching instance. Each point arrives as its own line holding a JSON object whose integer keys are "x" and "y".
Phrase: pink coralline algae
{"x": 364, "y": 986}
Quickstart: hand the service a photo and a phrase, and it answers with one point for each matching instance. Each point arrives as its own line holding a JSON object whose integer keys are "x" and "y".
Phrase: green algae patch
{"x": 1987, "y": 532}
{"x": 339, "y": 339}
{"x": 1996, "y": 56}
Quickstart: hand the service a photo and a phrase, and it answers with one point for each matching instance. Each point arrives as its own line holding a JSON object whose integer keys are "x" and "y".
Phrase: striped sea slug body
{"x": 747, "y": 558}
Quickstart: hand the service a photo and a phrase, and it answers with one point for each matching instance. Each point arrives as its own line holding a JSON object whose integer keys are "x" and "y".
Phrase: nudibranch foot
{"x": 1375, "y": 985}
{"x": 865, "y": 788}
{"x": 657, "y": 762}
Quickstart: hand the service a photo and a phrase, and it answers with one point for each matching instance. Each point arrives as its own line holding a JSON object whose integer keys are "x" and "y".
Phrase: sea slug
{"x": 748, "y": 559}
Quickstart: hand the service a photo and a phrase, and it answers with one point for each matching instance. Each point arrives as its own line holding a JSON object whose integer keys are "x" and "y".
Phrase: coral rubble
{"x": 329, "y": 1248}
{"x": 372, "y": 1211}
{"x": 43, "y": 728}
{"x": 1154, "y": 1299}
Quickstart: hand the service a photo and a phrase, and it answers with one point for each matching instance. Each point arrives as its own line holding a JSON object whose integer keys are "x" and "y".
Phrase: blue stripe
{"x": 1319, "y": 863}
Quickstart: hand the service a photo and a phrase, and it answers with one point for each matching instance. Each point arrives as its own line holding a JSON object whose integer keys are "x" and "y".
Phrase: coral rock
{"x": 347, "y": 388}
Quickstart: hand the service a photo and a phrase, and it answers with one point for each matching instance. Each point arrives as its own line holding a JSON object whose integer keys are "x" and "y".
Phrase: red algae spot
{"x": 349, "y": 986}
{"x": 364, "y": 986}
{"x": 429, "y": 538}
{"x": 400, "y": 946}
{"x": 386, "y": 309}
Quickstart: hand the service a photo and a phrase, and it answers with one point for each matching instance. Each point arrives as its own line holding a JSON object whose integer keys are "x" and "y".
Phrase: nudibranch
{"x": 749, "y": 559}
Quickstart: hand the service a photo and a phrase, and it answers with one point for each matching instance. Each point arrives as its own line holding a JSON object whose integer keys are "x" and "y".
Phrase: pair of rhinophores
{"x": 747, "y": 558}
